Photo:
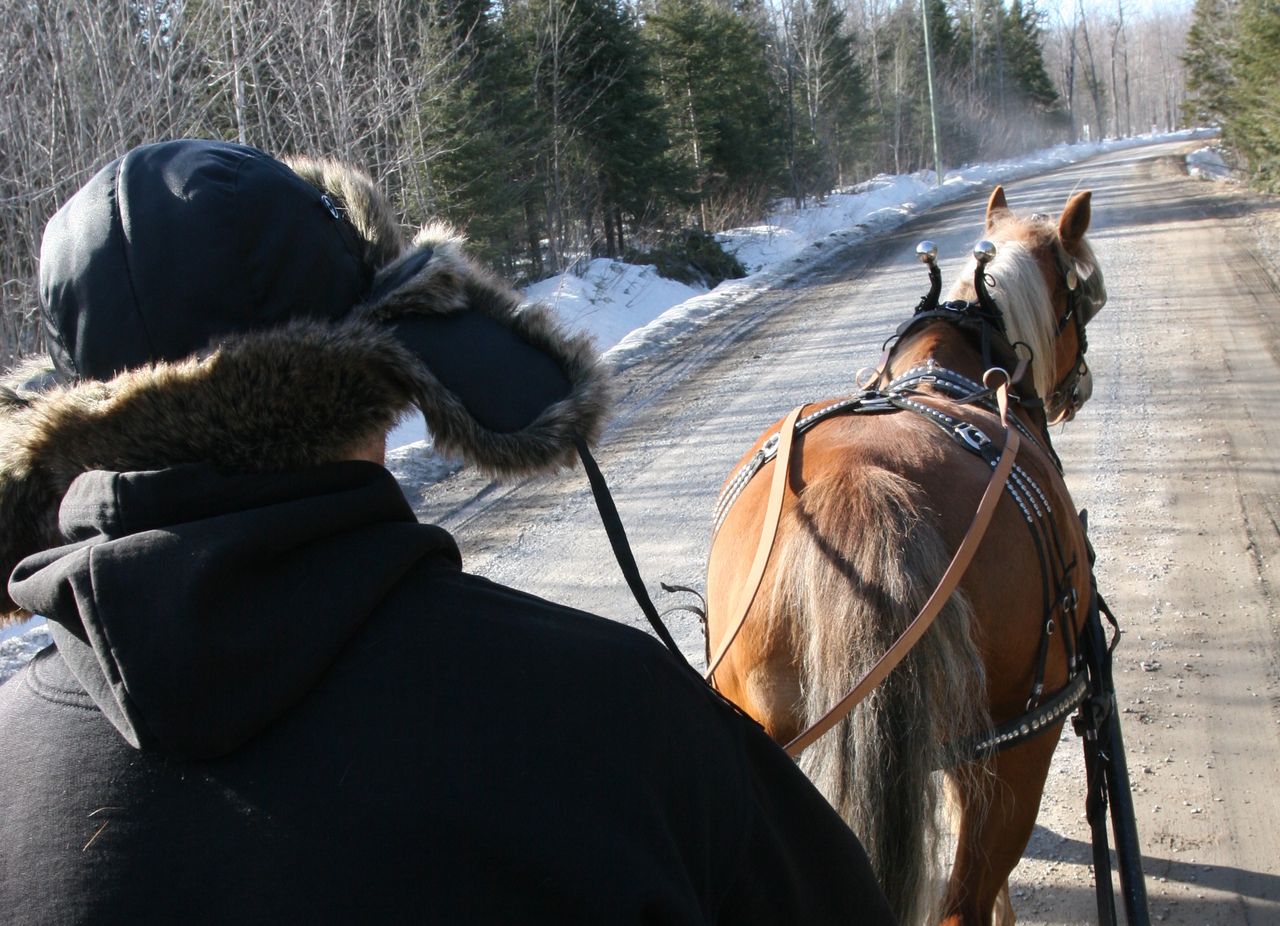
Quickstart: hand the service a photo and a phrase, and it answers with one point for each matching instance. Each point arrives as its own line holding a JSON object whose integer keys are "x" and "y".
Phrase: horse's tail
{"x": 859, "y": 559}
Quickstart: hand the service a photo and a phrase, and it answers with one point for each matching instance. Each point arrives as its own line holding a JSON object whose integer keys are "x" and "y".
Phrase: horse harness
{"x": 906, "y": 393}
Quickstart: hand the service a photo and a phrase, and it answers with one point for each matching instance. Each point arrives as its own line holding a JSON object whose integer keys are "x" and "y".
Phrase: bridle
{"x": 1084, "y": 299}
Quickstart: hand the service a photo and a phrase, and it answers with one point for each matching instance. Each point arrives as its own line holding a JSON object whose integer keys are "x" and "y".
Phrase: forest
{"x": 556, "y": 130}
{"x": 1233, "y": 62}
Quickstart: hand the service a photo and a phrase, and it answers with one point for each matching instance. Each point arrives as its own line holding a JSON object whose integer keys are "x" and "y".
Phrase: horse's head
{"x": 1046, "y": 281}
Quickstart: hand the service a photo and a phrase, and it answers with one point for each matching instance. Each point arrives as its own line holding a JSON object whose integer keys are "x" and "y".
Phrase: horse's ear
{"x": 1075, "y": 220}
{"x": 995, "y": 205}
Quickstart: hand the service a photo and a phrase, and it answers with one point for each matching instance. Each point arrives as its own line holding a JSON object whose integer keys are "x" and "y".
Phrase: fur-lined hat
{"x": 204, "y": 302}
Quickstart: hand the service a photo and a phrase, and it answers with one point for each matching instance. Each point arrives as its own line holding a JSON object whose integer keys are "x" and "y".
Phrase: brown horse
{"x": 872, "y": 506}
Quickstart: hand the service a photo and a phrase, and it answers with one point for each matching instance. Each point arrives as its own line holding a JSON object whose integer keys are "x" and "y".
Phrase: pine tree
{"x": 1252, "y": 123}
{"x": 1207, "y": 59}
{"x": 620, "y": 128}
{"x": 722, "y": 114}
{"x": 480, "y": 141}
{"x": 1025, "y": 70}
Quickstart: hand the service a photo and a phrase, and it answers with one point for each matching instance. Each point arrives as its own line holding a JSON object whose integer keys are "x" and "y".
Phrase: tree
{"x": 1210, "y": 40}
{"x": 721, "y": 111}
{"x": 832, "y": 95}
{"x": 1252, "y": 123}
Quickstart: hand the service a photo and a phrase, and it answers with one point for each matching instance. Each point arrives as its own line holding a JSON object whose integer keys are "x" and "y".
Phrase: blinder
{"x": 1085, "y": 298}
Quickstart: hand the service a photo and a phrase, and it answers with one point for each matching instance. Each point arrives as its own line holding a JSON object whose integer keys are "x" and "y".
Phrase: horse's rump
{"x": 860, "y": 551}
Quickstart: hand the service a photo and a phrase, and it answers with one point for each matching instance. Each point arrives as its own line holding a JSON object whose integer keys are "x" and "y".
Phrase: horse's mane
{"x": 1020, "y": 291}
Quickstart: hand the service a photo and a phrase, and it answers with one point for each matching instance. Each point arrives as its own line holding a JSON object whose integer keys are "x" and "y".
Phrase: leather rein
{"x": 947, "y": 585}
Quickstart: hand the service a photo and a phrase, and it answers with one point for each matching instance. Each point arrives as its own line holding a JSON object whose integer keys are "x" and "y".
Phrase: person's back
{"x": 275, "y": 696}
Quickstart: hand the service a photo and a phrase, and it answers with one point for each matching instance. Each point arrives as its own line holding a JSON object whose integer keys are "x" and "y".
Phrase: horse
{"x": 873, "y": 497}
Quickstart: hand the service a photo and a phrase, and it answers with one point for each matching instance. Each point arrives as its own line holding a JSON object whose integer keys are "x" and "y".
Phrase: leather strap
{"x": 768, "y": 533}
{"x": 946, "y": 586}
{"x": 622, "y": 550}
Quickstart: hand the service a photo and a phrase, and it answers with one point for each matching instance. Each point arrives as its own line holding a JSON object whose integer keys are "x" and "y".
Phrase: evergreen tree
{"x": 1252, "y": 124}
{"x": 1025, "y": 70}
{"x": 1207, "y": 58}
{"x": 1011, "y": 94}
{"x": 480, "y": 143}
{"x": 722, "y": 114}
{"x": 619, "y": 119}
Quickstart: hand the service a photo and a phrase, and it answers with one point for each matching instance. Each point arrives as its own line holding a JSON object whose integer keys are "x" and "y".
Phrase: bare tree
{"x": 81, "y": 81}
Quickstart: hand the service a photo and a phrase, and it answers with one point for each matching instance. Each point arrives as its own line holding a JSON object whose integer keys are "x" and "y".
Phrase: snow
{"x": 1207, "y": 164}
{"x": 632, "y": 313}
{"x": 20, "y": 642}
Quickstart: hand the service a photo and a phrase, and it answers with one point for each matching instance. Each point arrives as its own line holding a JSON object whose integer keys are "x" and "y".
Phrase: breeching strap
{"x": 768, "y": 532}
{"x": 946, "y": 586}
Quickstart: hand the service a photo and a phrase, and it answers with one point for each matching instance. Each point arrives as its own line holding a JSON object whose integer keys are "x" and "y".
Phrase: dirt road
{"x": 1174, "y": 458}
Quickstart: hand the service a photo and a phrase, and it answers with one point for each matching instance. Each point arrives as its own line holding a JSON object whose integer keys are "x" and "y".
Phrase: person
{"x": 274, "y": 696}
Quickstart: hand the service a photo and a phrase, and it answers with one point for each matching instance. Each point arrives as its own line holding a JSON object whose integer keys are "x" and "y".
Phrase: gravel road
{"x": 1173, "y": 457}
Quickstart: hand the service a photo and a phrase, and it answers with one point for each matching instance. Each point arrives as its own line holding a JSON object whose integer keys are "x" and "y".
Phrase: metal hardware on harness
{"x": 896, "y": 395}
{"x": 972, "y": 435}
{"x": 768, "y": 450}
{"x": 1025, "y": 727}
{"x": 768, "y": 532}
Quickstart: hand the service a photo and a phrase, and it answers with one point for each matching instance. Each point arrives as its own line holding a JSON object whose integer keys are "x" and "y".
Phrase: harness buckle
{"x": 972, "y": 435}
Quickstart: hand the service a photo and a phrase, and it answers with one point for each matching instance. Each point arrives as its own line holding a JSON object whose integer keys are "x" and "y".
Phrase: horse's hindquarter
{"x": 1003, "y": 584}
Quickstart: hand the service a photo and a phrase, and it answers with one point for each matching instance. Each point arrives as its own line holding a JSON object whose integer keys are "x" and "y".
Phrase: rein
{"x": 968, "y": 434}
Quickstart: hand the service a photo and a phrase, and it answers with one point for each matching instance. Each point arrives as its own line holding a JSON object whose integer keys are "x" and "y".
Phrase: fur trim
{"x": 439, "y": 286}
{"x": 451, "y": 282}
{"x": 360, "y": 202}
{"x": 325, "y": 388}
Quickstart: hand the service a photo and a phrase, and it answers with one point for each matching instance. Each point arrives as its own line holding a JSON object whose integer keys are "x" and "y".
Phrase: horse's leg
{"x": 998, "y": 810}
{"x": 1002, "y": 914}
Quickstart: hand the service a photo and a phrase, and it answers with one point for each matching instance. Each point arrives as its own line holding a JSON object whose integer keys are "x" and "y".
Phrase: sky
{"x": 1066, "y": 9}
{"x": 632, "y": 313}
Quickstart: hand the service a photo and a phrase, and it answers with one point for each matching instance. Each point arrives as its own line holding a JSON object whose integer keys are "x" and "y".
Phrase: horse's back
{"x": 843, "y": 474}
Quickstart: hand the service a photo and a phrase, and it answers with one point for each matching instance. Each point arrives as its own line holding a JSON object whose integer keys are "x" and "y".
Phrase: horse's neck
{"x": 952, "y": 349}
{"x": 943, "y": 344}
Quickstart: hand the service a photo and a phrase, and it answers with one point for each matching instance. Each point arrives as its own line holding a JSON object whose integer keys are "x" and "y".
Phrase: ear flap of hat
{"x": 502, "y": 387}
{"x": 506, "y": 388}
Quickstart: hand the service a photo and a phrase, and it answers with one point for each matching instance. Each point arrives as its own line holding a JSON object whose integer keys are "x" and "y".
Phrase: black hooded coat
{"x": 275, "y": 697}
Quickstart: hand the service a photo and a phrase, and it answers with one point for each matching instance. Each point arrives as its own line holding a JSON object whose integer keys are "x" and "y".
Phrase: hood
{"x": 197, "y": 607}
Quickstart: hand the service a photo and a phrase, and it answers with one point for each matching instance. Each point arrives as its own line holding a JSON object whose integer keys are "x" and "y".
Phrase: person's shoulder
{"x": 514, "y": 629}
{"x": 499, "y": 609}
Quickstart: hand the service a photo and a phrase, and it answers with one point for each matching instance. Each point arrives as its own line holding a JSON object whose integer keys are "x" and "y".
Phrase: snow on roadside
{"x": 1207, "y": 164}
{"x": 20, "y": 642}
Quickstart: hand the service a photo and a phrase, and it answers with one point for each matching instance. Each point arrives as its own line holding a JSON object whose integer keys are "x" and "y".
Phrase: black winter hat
{"x": 176, "y": 246}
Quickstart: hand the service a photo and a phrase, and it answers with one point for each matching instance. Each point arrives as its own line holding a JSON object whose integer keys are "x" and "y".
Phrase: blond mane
{"x": 1020, "y": 291}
